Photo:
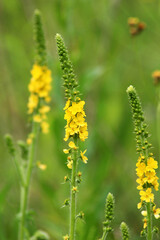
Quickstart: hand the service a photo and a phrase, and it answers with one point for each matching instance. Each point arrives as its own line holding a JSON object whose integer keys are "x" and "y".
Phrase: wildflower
{"x": 37, "y": 118}
{"x": 66, "y": 151}
{"x": 146, "y": 165}
{"x": 84, "y": 158}
{"x": 145, "y": 223}
{"x": 69, "y": 164}
{"x": 29, "y": 141}
{"x": 66, "y": 237}
{"x": 156, "y": 77}
{"x": 74, "y": 189}
{"x": 79, "y": 174}
{"x": 139, "y": 205}
{"x": 41, "y": 166}
{"x": 151, "y": 164}
{"x": 45, "y": 127}
{"x": 72, "y": 145}
{"x": 144, "y": 213}
{"x": 156, "y": 212}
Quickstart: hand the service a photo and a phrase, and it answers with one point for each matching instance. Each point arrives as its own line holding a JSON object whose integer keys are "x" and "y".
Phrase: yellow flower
{"x": 67, "y": 105}
{"x": 41, "y": 166}
{"x": 29, "y": 141}
{"x": 141, "y": 168}
{"x": 84, "y": 158}
{"x": 139, "y": 205}
{"x": 37, "y": 118}
{"x": 36, "y": 71}
{"x": 155, "y": 184}
{"x": 45, "y": 127}
{"x": 144, "y": 213}
{"x": 74, "y": 189}
{"x": 147, "y": 195}
{"x": 32, "y": 103}
{"x": 69, "y": 164}
{"x": 150, "y": 176}
{"x": 151, "y": 164}
{"x": 156, "y": 212}
{"x": 72, "y": 145}
{"x": 145, "y": 222}
{"x": 44, "y": 109}
{"x": 66, "y": 237}
{"x": 66, "y": 151}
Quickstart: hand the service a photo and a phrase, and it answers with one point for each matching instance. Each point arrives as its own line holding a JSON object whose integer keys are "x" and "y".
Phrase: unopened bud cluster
{"x": 124, "y": 231}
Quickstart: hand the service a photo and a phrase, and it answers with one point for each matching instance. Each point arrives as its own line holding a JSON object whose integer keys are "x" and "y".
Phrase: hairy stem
{"x": 25, "y": 188}
{"x": 73, "y": 193}
{"x": 149, "y": 222}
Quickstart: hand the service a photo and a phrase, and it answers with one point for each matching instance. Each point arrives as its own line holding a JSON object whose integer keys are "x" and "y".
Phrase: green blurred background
{"x": 106, "y": 60}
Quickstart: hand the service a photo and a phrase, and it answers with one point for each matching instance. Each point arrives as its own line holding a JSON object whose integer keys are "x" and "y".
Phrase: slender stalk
{"x": 25, "y": 188}
{"x": 73, "y": 193}
{"x": 149, "y": 222}
{"x": 20, "y": 171}
{"x": 104, "y": 236}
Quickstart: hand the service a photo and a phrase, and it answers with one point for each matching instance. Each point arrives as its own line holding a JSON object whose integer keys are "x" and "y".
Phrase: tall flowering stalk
{"x": 146, "y": 167}
{"x": 75, "y": 131}
{"x": 39, "y": 88}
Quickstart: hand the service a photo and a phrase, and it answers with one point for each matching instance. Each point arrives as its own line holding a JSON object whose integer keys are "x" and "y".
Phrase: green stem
{"x": 104, "y": 236}
{"x": 149, "y": 222}
{"x": 25, "y": 188}
{"x": 73, "y": 194}
{"x": 20, "y": 171}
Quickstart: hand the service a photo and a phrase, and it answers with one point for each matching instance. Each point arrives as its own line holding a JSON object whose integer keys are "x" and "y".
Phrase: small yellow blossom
{"x": 44, "y": 109}
{"x": 144, "y": 213}
{"x": 72, "y": 145}
{"x": 84, "y": 158}
{"x": 37, "y": 118}
{"x": 139, "y": 205}
{"x": 74, "y": 189}
{"x": 151, "y": 164}
{"x": 45, "y": 127}
{"x": 66, "y": 237}
{"x": 66, "y": 151}
{"x": 29, "y": 141}
{"x": 145, "y": 223}
{"x": 67, "y": 105}
{"x": 69, "y": 164}
{"x": 156, "y": 212}
{"x": 41, "y": 166}
{"x": 147, "y": 195}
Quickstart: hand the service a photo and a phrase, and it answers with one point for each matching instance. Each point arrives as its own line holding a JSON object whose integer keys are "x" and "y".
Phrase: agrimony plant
{"x": 75, "y": 131}
{"x": 39, "y": 88}
{"x": 145, "y": 168}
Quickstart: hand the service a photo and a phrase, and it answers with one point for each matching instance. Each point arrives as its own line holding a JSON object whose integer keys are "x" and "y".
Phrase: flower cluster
{"x": 146, "y": 178}
{"x": 75, "y": 117}
{"x": 39, "y": 88}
